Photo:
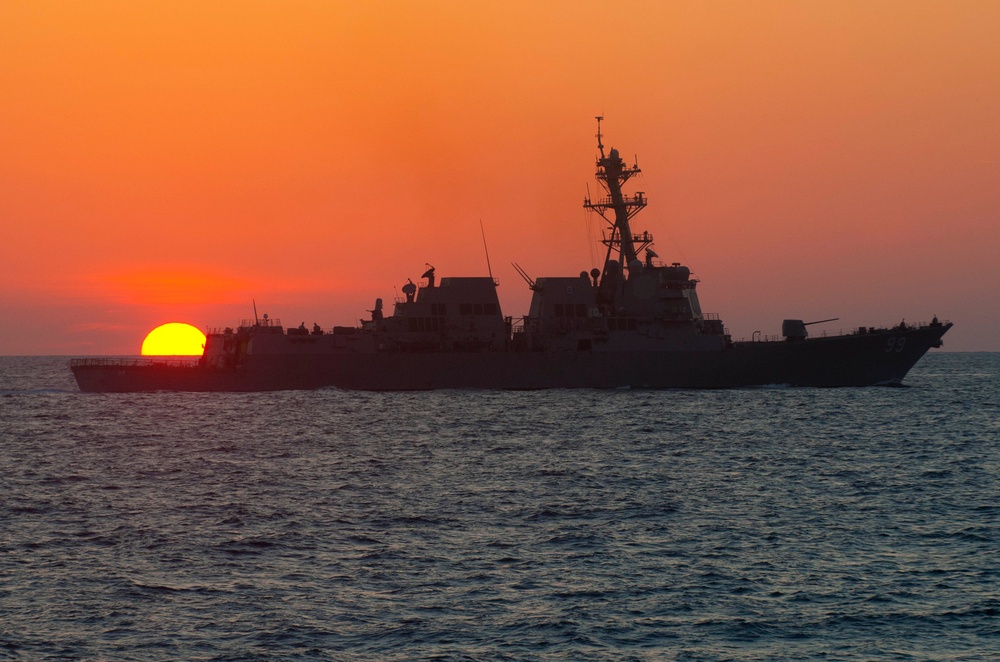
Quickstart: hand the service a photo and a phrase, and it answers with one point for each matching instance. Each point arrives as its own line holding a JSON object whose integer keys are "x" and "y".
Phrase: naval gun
{"x": 796, "y": 329}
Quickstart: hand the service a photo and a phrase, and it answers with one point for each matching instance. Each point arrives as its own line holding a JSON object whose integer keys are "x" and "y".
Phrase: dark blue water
{"x": 756, "y": 524}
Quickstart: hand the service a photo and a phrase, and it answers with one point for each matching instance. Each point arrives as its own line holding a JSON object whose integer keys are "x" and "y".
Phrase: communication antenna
{"x": 487, "y": 251}
{"x": 524, "y": 275}
{"x": 256, "y": 321}
{"x": 600, "y": 145}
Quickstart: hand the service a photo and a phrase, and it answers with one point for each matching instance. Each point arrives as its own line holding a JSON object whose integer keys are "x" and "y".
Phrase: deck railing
{"x": 120, "y": 362}
{"x": 828, "y": 333}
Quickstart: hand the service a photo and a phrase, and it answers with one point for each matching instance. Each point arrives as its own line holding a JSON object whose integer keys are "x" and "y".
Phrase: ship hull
{"x": 882, "y": 357}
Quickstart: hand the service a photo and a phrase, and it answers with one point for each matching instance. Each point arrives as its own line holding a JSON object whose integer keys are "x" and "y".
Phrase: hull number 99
{"x": 895, "y": 344}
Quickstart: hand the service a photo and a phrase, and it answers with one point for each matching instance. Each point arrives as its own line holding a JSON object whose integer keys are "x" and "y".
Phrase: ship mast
{"x": 616, "y": 209}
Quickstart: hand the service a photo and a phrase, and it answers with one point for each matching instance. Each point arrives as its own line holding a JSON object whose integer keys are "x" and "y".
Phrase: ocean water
{"x": 753, "y": 524}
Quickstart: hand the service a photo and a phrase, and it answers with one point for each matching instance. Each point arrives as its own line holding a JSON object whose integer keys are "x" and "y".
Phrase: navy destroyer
{"x": 633, "y": 323}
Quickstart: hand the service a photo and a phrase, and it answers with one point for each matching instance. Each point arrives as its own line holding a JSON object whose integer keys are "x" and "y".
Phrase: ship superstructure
{"x": 634, "y": 322}
{"x": 631, "y": 304}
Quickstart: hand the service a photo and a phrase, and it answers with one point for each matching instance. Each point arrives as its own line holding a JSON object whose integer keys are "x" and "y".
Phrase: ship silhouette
{"x": 634, "y": 323}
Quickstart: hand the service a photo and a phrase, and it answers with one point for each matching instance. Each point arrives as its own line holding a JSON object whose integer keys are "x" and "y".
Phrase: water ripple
{"x": 760, "y": 524}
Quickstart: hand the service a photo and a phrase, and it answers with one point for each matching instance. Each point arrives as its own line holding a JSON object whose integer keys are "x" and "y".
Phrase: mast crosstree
{"x": 617, "y": 209}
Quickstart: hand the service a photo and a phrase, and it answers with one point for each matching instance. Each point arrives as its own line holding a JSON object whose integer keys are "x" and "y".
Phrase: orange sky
{"x": 174, "y": 161}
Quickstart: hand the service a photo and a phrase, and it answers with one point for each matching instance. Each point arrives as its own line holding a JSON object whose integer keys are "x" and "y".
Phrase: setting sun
{"x": 780, "y": 143}
{"x": 174, "y": 339}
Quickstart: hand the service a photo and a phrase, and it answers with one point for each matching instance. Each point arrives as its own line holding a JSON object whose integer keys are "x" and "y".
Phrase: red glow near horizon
{"x": 180, "y": 160}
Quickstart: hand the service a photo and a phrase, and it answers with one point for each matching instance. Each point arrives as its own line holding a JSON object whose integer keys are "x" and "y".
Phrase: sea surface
{"x": 751, "y": 524}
